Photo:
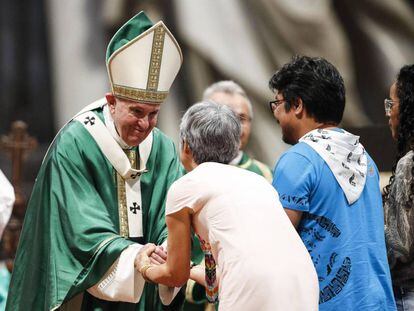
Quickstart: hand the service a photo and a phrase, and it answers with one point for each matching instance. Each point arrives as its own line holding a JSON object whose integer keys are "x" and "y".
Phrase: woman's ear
{"x": 186, "y": 156}
{"x": 186, "y": 148}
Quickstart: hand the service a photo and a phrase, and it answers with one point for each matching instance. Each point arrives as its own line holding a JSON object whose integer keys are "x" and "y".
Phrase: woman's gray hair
{"x": 212, "y": 132}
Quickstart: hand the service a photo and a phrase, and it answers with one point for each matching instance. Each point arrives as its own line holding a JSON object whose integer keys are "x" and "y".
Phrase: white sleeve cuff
{"x": 121, "y": 282}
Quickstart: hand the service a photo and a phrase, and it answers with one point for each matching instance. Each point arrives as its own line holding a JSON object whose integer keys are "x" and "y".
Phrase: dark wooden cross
{"x": 17, "y": 143}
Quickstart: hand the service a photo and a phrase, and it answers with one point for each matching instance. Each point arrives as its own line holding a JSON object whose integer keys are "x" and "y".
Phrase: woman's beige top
{"x": 261, "y": 260}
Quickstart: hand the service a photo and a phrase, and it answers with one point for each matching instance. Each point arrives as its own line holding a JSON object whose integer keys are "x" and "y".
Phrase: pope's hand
{"x": 143, "y": 256}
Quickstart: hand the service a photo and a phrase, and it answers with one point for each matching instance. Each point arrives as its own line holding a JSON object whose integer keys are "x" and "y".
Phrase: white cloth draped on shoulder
{"x": 344, "y": 155}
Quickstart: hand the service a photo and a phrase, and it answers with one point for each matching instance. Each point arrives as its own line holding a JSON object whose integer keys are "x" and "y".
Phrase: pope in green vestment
{"x": 72, "y": 230}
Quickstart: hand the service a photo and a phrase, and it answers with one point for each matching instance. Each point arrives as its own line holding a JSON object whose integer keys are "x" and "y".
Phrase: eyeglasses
{"x": 274, "y": 104}
{"x": 388, "y": 103}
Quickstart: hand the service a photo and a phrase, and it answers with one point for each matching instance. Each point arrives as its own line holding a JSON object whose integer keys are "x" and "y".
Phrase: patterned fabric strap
{"x": 210, "y": 270}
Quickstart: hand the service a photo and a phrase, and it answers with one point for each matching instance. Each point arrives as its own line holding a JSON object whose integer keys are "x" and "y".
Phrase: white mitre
{"x": 143, "y": 60}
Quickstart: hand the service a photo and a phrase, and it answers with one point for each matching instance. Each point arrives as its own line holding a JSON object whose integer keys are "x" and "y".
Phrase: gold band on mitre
{"x": 140, "y": 95}
{"x": 156, "y": 58}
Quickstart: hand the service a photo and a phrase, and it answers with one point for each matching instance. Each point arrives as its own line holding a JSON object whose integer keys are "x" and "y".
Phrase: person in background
{"x": 6, "y": 205}
{"x": 100, "y": 192}
{"x": 399, "y": 193}
{"x": 329, "y": 187}
{"x": 239, "y": 221}
{"x": 232, "y": 95}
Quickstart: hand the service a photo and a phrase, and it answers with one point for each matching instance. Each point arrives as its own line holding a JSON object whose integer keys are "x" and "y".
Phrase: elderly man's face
{"x": 133, "y": 120}
{"x": 240, "y": 107}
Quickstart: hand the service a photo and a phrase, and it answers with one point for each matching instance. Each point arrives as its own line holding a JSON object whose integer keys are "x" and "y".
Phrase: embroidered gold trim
{"x": 104, "y": 242}
{"x": 122, "y": 207}
{"x": 122, "y": 202}
{"x": 139, "y": 94}
{"x": 156, "y": 58}
{"x": 132, "y": 157}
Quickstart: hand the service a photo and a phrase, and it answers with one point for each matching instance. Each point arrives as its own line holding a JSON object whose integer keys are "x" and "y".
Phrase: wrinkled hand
{"x": 158, "y": 256}
{"x": 143, "y": 256}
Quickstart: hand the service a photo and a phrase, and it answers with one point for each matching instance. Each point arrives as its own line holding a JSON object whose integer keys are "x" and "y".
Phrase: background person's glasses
{"x": 274, "y": 103}
{"x": 388, "y": 103}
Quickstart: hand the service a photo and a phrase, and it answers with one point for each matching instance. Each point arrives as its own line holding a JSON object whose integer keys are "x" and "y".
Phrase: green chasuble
{"x": 70, "y": 236}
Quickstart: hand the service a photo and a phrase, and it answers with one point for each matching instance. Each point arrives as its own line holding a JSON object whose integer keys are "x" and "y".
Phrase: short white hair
{"x": 227, "y": 87}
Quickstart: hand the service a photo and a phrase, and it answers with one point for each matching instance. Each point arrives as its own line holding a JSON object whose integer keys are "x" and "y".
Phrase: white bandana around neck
{"x": 110, "y": 144}
{"x": 344, "y": 155}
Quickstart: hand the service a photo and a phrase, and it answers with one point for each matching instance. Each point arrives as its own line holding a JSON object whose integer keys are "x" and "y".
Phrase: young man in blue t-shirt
{"x": 329, "y": 187}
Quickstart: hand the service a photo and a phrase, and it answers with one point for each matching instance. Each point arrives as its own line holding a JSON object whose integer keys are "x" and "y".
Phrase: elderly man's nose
{"x": 143, "y": 123}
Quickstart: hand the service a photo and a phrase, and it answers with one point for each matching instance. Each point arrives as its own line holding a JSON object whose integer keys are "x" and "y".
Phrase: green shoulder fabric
{"x": 255, "y": 166}
{"x": 70, "y": 234}
{"x": 129, "y": 31}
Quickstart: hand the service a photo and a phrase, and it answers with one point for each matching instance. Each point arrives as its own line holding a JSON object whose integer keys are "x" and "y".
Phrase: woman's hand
{"x": 197, "y": 274}
{"x": 158, "y": 256}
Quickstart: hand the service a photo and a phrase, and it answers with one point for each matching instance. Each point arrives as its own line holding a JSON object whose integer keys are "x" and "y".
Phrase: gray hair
{"x": 228, "y": 87}
{"x": 212, "y": 132}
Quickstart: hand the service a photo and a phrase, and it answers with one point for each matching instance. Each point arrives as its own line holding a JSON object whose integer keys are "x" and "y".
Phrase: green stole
{"x": 70, "y": 235}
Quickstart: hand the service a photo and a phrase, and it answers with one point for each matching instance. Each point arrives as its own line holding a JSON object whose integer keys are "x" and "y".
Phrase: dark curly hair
{"x": 317, "y": 82}
{"x": 405, "y": 130}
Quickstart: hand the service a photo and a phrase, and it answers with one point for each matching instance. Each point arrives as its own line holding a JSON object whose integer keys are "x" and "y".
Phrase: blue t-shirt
{"x": 346, "y": 242}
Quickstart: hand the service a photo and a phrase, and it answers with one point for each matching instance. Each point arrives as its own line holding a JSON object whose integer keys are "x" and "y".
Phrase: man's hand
{"x": 142, "y": 257}
{"x": 158, "y": 256}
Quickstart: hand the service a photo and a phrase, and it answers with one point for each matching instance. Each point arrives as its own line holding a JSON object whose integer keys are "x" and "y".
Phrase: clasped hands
{"x": 150, "y": 255}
